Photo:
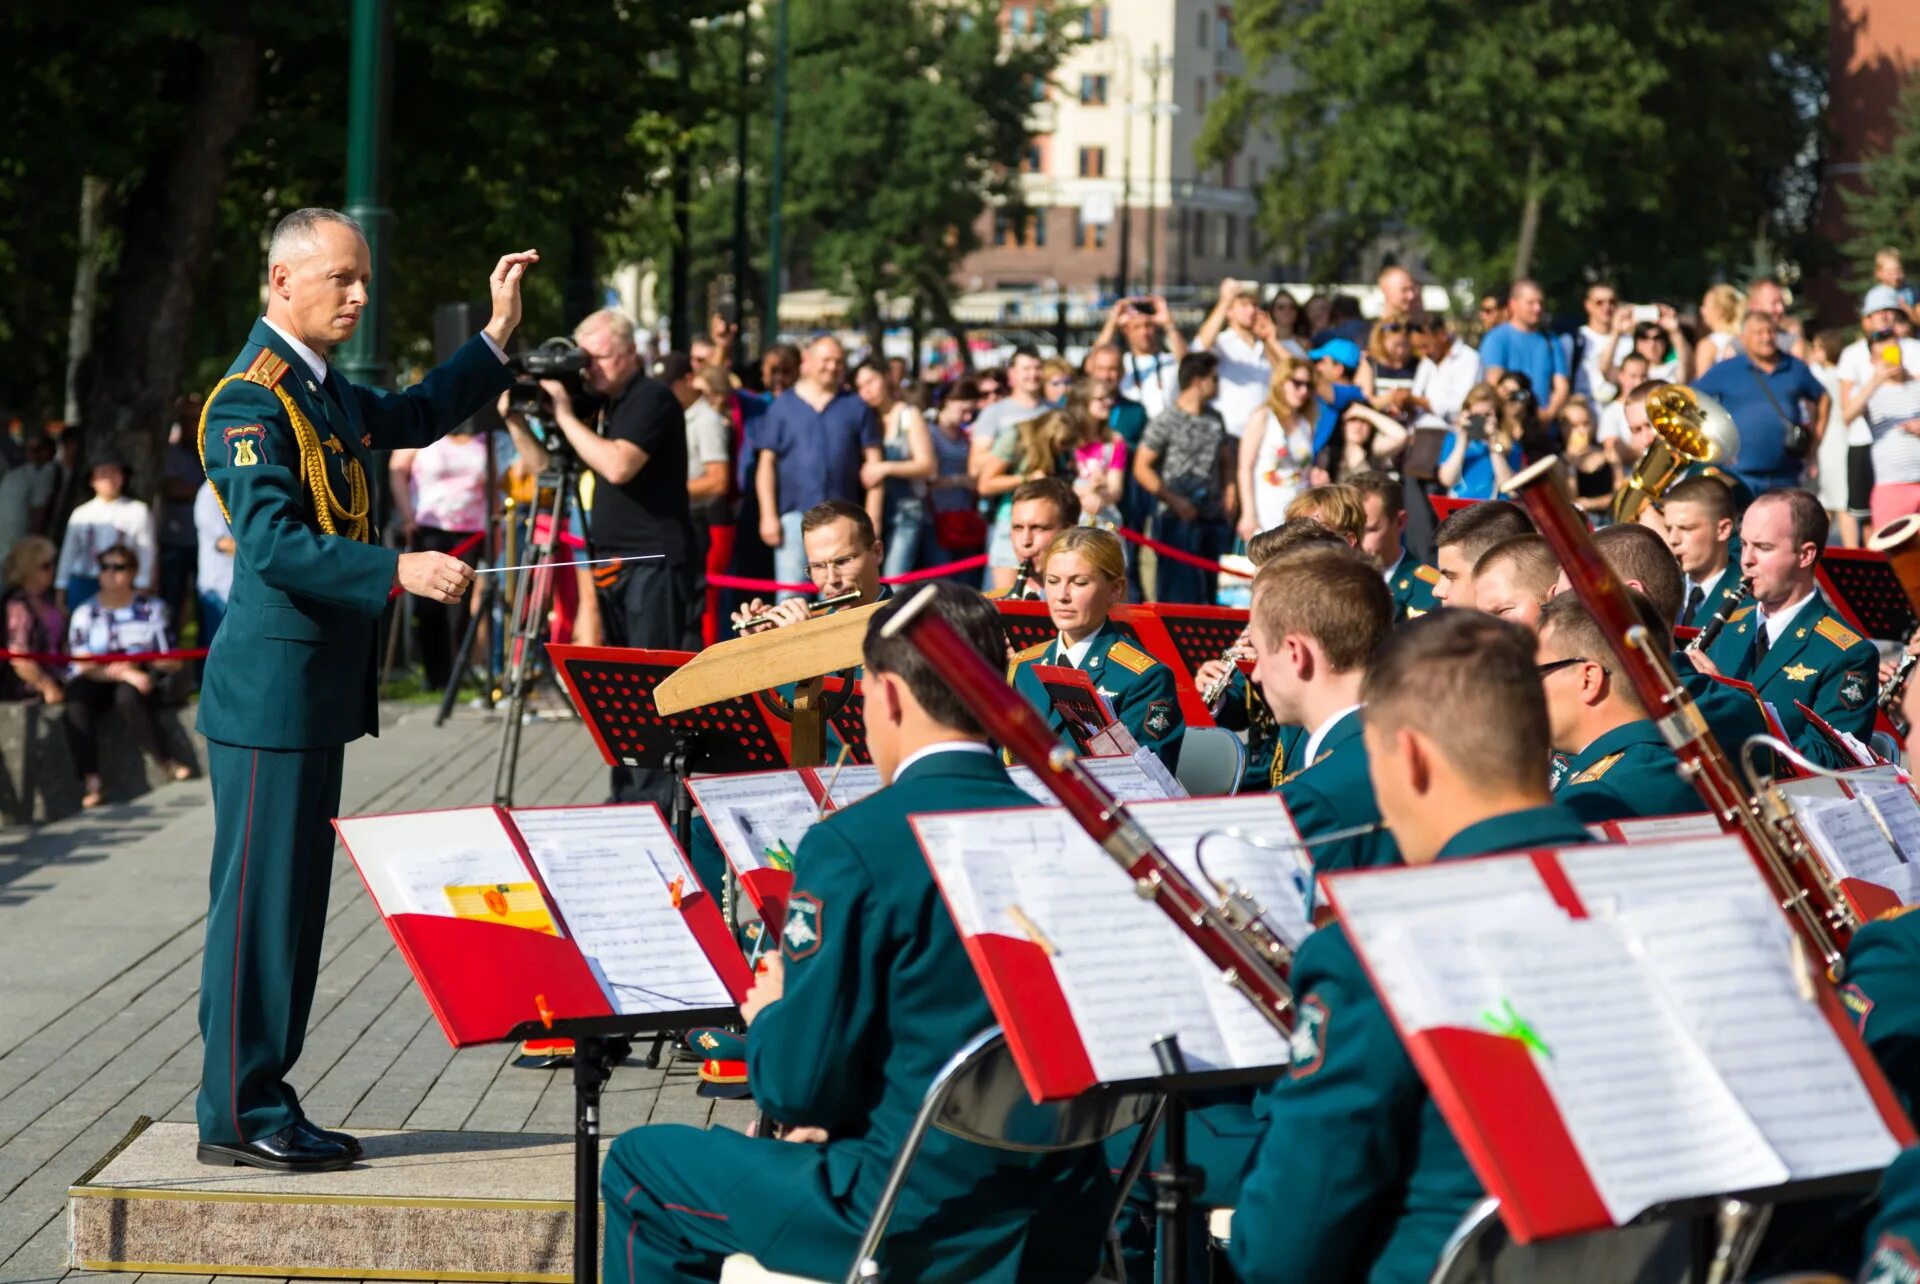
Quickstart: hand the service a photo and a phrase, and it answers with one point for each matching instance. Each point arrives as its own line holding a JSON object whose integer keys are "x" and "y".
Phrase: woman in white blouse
{"x": 116, "y": 621}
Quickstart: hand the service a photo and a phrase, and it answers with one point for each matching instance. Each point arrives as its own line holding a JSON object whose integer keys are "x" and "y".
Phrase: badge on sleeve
{"x": 801, "y": 936}
{"x": 244, "y": 444}
{"x": 1858, "y": 1006}
{"x": 1308, "y": 1043}
{"x": 1853, "y": 690}
{"x": 1159, "y": 718}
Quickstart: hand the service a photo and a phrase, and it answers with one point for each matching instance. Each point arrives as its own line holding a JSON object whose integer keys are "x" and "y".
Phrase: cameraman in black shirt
{"x": 639, "y": 462}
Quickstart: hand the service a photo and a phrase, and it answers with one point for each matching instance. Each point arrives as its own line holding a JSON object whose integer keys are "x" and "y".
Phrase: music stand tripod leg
{"x": 1175, "y": 1184}
{"x": 594, "y": 1057}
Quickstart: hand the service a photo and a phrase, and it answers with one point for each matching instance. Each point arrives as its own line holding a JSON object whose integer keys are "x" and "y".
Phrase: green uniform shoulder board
{"x": 1740, "y": 614}
{"x": 267, "y": 369}
{"x": 1426, "y": 573}
{"x": 1033, "y": 652}
{"x": 1597, "y": 770}
{"x": 1895, "y": 912}
{"x": 1128, "y": 657}
{"x": 1837, "y": 633}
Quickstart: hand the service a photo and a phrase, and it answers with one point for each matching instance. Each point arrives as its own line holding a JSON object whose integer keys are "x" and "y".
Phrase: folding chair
{"x": 978, "y": 1096}
{"x": 1480, "y": 1252}
{"x": 1212, "y": 760}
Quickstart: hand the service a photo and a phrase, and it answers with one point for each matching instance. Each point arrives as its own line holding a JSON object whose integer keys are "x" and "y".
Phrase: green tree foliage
{"x": 1884, "y": 208}
{"x": 512, "y": 125}
{"x": 1656, "y": 141}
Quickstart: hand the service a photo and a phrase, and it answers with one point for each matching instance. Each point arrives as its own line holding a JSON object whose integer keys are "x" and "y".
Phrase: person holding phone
{"x": 1877, "y": 383}
{"x": 1484, "y": 450}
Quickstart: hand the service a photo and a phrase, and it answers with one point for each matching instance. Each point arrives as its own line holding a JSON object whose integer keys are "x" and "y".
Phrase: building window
{"x": 1093, "y": 162}
{"x": 1093, "y": 91}
{"x": 1032, "y": 160}
{"x": 1093, "y": 24}
{"x": 1089, "y": 236}
{"x": 1230, "y": 240}
{"x": 1026, "y": 233}
{"x": 1019, "y": 19}
{"x": 1206, "y": 22}
{"x": 1200, "y": 94}
{"x": 1037, "y": 86}
{"x": 1226, "y": 28}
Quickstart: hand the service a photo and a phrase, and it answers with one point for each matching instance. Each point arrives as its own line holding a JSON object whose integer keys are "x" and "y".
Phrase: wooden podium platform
{"x": 419, "y": 1206}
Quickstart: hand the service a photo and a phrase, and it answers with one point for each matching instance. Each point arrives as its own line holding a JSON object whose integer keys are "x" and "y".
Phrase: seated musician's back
{"x": 871, "y": 994}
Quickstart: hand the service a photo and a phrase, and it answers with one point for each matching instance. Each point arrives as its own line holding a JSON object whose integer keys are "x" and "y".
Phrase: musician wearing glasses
{"x": 1618, "y": 764}
{"x": 844, "y": 555}
{"x": 1786, "y": 640}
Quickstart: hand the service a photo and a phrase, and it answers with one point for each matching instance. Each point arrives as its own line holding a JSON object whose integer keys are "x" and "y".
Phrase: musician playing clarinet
{"x": 1042, "y": 507}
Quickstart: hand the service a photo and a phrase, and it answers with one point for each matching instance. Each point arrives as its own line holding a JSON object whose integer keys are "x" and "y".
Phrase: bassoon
{"x": 1800, "y": 881}
{"x": 1232, "y": 933}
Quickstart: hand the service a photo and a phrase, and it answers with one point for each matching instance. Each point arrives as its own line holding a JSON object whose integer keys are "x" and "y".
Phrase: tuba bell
{"x": 1689, "y": 427}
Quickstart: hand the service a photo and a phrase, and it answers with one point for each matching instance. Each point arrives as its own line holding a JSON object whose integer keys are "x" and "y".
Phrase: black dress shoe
{"x": 291, "y": 1150}
{"x": 346, "y": 1141}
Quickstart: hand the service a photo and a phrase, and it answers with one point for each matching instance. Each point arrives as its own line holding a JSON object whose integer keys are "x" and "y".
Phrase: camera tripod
{"x": 555, "y": 497}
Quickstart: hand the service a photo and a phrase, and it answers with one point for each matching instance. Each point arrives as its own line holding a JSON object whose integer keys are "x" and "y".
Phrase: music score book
{"x": 1866, "y": 830}
{"x": 545, "y": 913}
{"x": 1607, "y": 1029}
{"x": 758, "y": 818}
{"x": 1084, "y": 975}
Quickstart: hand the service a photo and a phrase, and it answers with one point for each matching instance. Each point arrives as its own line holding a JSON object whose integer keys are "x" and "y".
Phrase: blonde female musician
{"x": 1085, "y": 578}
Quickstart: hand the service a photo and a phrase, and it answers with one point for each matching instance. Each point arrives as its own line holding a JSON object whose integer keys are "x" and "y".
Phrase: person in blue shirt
{"x": 1765, "y": 390}
{"x": 1484, "y": 450}
{"x": 1521, "y": 343}
{"x": 1334, "y": 362}
{"x": 809, "y": 448}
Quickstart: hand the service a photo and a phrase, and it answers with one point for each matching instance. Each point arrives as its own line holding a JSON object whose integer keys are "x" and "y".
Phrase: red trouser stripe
{"x": 239, "y": 916}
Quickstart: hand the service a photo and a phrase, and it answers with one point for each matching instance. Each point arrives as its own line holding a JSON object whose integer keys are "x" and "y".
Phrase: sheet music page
{"x": 612, "y": 871}
{"x": 759, "y": 817}
{"x": 1610, "y": 880}
{"x": 1491, "y": 890}
{"x": 853, "y": 782}
{"x": 1726, "y": 965}
{"x": 1128, "y": 973}
{"x": 1278, "y": 873}
{"x": 1140, "y": 777}
{"x": 1643, "y": 1104}
{"x": 1900, "y": 811}
{"x": 410, "y": 860}
{"x": 1813, "y": 787}
{"x": 1849, "y": 838}
{"x": 1659, "y": 828}
{"x": 1155, "y": 770}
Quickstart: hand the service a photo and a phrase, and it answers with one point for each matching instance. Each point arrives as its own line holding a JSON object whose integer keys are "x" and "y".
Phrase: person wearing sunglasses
{"x": 116, "y": 621}
{"x": 1387, "y": 375}
{"x": 35, "y": 623}
{"x": 1618, "y": 766}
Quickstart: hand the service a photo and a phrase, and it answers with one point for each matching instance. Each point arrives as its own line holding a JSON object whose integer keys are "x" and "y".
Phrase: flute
{"x": 1211, "y": 697}
{"x": 822, "y": 607}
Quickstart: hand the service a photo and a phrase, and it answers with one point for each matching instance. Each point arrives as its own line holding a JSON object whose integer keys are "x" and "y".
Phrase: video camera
{"x": 558, "y": 358}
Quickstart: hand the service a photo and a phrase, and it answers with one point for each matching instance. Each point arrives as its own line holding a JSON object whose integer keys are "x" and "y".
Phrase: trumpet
{"x": 825, "y": 606}
{"x": 1706, "y": 636}
{"x": 1689, "y": 428}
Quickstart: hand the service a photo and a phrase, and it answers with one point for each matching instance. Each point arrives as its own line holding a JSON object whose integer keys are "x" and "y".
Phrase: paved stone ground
{"x": 101, "y": 919}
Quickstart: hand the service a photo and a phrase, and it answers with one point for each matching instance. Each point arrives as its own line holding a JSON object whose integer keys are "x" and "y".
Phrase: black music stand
{"x": 1198, "y": 633}
{"x": 849, "y": 719}
{"x": 1027, "y": 623}
{"x": 1863, "y": 588}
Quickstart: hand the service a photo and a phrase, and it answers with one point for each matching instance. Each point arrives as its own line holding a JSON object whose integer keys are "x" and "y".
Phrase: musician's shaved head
{"x": 1333, "y": 596}
{"x": 1289, "y": 538}
{"x": 1642, "y": 560}
{"x": 1514, "y": 577}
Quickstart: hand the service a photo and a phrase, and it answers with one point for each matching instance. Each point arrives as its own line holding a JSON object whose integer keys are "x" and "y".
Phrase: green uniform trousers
{"x": 272, "y": 862}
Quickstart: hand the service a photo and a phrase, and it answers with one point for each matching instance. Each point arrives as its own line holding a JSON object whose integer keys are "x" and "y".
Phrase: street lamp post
{"x": 1155, "y": 67}
{"x": 770, "y": 324}
{"x": 363, "y": 358}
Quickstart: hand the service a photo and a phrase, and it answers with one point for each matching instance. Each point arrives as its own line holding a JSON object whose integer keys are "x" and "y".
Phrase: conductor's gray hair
{"x": 615, "y": 322}
{"x": 297, "y": 236}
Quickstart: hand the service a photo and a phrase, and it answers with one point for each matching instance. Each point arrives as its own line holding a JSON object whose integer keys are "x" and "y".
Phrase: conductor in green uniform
{"x": 288, "y": 444}
{"x": 1787, "y": 641}
{"x": 869, "y": 997}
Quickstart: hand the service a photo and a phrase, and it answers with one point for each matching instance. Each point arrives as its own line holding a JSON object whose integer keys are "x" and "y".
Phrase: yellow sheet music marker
{"x": 1032, "y": 930}
{"x": 514, "y": 904}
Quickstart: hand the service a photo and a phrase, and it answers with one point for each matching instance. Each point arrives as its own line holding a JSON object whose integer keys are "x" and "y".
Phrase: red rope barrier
{"x": 1181, "y": 554}
{"x": 973, "y": 563}
{"x": 110, "y": 657}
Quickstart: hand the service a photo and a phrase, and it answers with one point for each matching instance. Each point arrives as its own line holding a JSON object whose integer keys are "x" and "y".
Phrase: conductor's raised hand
{"x": 504, "y": 285}
{"x": 434, "y": 576}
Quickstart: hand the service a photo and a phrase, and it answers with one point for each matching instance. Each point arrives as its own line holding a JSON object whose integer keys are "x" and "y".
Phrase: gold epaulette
{"x": 1129, "y": 657}
{"x": 1597, "y": 770}
{"x": 1426, "y": 573}
{"x": 1885, "y": 916}
{"x": 267, "y": 369}
{"x": 1740, "y": 614}
{"x": 1033, "y": 652}
{"x": 1837, "y": 633}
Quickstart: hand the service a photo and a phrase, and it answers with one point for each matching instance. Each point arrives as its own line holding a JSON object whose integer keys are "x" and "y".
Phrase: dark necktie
{"x": 1760, "y": 641}
{"x": 336, "y": 404}
{"x": 1695, "y": 598}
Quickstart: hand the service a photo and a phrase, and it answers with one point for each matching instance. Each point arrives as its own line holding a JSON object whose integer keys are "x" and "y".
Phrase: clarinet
{"x": 1801, "y": 883}
{"x": 1232, "y": 933}
{"x": 1705, "y": 637}
{"x": 1890, "y": 694}
{"x": 1020, "y": 578}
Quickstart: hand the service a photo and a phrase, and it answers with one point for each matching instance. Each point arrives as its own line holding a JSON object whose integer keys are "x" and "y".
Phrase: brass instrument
{"x": 1689, "y": 428}
{"x": 824, "y": 606}
{"x": 1706, "y": 636}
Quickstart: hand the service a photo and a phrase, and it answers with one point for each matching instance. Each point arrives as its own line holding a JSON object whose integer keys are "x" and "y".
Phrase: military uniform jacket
{"x": 1627, "y": 773}
{"x": 1243, "y": 708}
{"x": 1881, "y": 989}
{"x": 1725, "y": 593}
{"x": 1411, "y": 584}
{"x": 1334, "y": 792}
{"x": 1358, "y": 1176}
{"x": 293, "y": 665}
{"x": 878, "y": 995}
{"x": 1137, "y": 686}
{"x": 1817, "y": 661}
{"x": 1893, "y": 1241}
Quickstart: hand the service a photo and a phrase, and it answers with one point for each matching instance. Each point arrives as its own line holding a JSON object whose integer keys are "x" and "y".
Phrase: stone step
{"x": 418, "y": 1206}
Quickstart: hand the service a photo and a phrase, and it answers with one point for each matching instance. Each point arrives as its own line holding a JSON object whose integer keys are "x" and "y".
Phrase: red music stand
{"x": 1184, "y": 637}
{"x": 1027, "y": 623}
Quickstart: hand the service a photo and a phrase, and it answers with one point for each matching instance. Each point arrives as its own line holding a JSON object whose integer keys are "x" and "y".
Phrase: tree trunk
{"x": 86, "y": 289}
{"x": 1529, "y": 218}
{"x": 167, "y": 228}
